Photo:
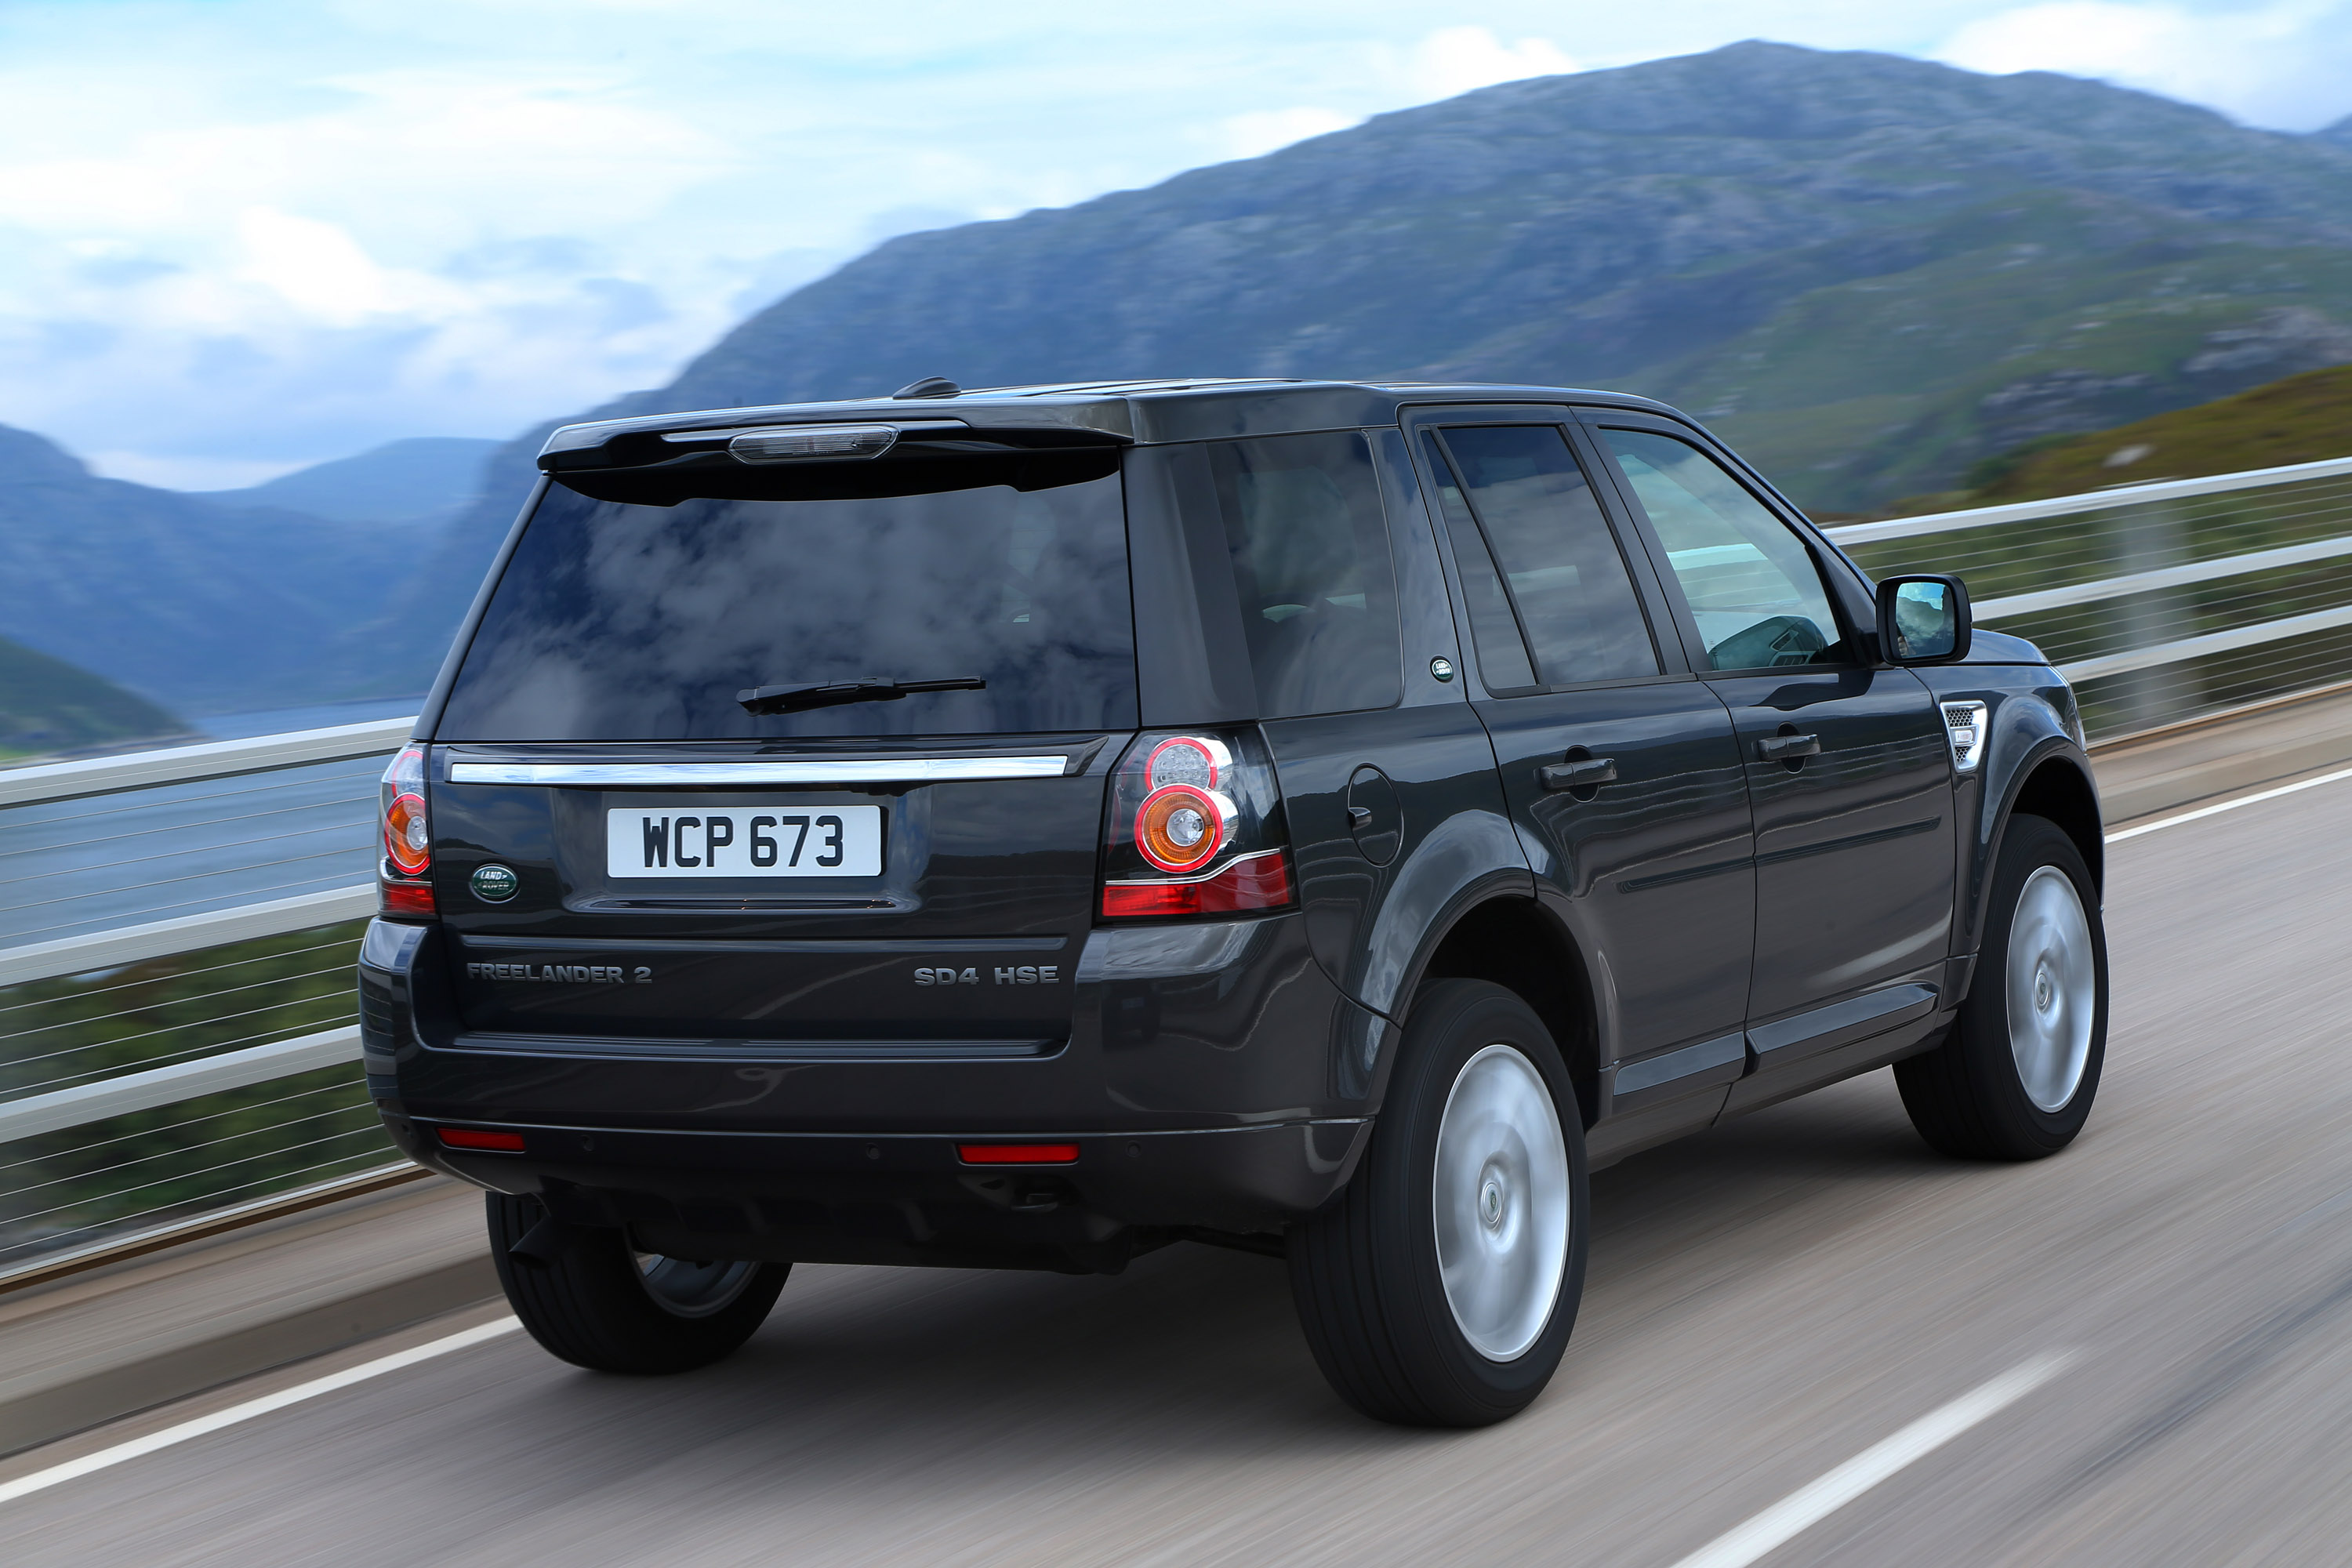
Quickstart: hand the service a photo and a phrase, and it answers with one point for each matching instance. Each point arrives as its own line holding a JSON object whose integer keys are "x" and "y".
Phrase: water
{"x": 319, "y": 716}
{"x": 69, "y": 867}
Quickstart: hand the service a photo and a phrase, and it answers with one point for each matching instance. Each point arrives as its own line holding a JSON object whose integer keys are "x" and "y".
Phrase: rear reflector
{"x": 1018, "y": 1154}
{"x": 1259, "y": 881}
{"x": 407, "y": 897}
{"x": 474, "y": 1138}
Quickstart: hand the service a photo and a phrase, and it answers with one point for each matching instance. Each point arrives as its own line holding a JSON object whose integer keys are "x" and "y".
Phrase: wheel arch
{"x": 2059, "y": 789}
{"x": 1510, "y": 940}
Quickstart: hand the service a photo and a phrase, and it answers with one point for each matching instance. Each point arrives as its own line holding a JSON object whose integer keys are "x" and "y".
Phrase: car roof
{"x": 1142, "y": 412}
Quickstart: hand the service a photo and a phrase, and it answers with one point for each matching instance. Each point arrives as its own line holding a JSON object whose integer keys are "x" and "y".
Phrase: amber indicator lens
{"x": 407, "y": 837}
{"x": 1180, "y": 826}
{"x": 407, "y": 832}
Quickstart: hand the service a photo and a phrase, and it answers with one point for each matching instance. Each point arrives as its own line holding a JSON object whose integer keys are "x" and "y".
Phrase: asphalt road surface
{"x": 1766, "y": 1302}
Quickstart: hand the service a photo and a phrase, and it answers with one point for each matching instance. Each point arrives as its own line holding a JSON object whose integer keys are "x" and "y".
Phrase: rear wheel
{"x": 1439, "y": 1288}
{"x": 2016, "y": 1079}
{"x": 588, "y": 1296}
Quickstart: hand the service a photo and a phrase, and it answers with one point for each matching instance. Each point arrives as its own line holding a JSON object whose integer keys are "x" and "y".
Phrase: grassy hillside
{"x": 47, "y": 705}
{"x": 2302, "y": 419}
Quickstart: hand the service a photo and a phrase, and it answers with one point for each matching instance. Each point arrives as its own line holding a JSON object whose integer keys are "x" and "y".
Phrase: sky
{"x": 237, "y": 236}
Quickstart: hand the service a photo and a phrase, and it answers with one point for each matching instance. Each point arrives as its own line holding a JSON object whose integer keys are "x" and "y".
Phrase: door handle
{"x": 1581, "y": 774}
{"x": 1788, "y": 748}
{"x": 1359, "y": 819}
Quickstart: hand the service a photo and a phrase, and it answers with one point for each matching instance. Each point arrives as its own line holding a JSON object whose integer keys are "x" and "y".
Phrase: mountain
{"x": 2340, "y": 133}
{"x": 2302, "y": 419}
{"x": 1867, "y": 272}
{"x": 47, "y": 705}
{"x": 201, "y": 607}
{"x": 427, "y": 480}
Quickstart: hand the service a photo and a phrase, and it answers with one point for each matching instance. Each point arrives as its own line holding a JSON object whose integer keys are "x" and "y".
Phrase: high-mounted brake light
{"x": 1195, "y": 828}
{"x": 404, "y": 884}
{"x": 805, "y": 443}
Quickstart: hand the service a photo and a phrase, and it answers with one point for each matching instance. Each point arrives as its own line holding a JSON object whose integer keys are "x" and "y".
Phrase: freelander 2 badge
{"x": 494, "y": 884}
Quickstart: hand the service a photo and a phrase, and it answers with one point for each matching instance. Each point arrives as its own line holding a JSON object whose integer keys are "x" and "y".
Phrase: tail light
{"x": 404, "y": 884}
{"x": 1195, "y": 829}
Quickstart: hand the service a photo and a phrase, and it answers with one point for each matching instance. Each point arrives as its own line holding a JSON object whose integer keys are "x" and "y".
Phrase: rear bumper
{"x": 1196, "y": 1080}
{"x": 908, "y": 1198}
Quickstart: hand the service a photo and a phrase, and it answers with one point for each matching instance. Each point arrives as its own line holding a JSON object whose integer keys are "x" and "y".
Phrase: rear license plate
{"x": 828, "y": 841}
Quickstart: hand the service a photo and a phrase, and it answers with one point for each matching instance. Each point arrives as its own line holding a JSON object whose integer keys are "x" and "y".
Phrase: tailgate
{"x": 845, "y": 903}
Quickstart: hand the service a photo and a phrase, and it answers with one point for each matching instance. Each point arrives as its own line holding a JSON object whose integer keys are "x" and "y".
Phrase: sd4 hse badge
{"x": 1005, "y": 974}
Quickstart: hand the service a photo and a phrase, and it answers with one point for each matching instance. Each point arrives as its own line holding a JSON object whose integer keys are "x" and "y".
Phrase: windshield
{"x": 641, "y": 612}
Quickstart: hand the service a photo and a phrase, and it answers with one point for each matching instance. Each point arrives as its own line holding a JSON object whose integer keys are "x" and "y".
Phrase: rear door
{"x": 1341, "y": 607}
{"x": 626, "y": 851}
{"x": 1619, "y": 766}
{"x": 1848, "y": 765}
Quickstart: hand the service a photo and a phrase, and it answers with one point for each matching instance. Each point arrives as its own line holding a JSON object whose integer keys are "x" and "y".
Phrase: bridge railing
{"x": 178, "y": 1046}
{"x": 2160, "y": 603}
{"x": 178, "y": 1033}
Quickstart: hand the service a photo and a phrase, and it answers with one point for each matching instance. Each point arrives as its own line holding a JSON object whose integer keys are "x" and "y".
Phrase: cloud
{"x": 1456, "y": 59}
{"x": 1263, "y": 131}
{"x": 2281, "y": 65}
{"x": 250, "y": 233}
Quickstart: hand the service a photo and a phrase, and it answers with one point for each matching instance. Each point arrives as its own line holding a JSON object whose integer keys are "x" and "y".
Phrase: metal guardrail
{"x": 2160, "y": 601}
{"x": 159, "y": 1073}
{"x": 2163, "y": 584}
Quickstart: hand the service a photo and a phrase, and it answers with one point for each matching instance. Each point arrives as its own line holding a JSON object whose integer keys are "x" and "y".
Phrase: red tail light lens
{"x": 1195, "y": 828}
{"x": 1261, "y": 881}
{"x": 405, "y": 897}
{"x": 1017, "y": 1153}
{"x": 406, "y": 831}
{"x": 476, "y": 1138}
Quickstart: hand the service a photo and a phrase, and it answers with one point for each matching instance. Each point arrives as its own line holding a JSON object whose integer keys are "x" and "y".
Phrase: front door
{"x": 1848, "y": 767}
{"x": 1618, "y": 766}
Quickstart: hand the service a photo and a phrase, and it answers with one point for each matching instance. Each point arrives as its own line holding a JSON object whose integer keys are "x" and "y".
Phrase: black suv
{"x": 1022, "y": 828}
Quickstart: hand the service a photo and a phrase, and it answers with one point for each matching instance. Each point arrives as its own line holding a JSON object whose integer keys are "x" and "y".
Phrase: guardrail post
{"x": 2147, "y": 537}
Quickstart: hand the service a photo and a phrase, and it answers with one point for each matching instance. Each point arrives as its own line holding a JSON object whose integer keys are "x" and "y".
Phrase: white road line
{"x": 2204, "y": 811}
{"x": 1808, "y": 1506}
{"x": 40, "y": 1480}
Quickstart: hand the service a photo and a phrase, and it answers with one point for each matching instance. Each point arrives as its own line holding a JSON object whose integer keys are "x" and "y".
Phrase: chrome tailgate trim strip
{"x": 844, "y": 769}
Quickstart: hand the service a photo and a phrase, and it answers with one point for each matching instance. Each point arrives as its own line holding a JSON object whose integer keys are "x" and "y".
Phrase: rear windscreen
{"x": 639, "y": 611}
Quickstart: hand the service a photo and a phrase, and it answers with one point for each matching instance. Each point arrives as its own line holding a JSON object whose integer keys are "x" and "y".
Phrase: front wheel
{"x": 1440, "y": 1288}
{"x": 2016, "y": 1079}
{"x": 586, "y": 1296}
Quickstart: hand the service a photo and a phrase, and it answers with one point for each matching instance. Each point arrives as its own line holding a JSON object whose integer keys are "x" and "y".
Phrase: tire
{"x": 2016, "y": 1078}
{"x": 589, "y": 1299}
{"x": 1439, "y": 1288}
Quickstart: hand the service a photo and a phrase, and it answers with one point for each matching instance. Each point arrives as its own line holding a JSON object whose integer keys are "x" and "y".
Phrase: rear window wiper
{"x": 829, "y": 694}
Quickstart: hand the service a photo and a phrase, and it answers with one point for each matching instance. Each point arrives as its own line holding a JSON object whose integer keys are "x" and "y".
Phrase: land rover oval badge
{"x": 494, "y": 884}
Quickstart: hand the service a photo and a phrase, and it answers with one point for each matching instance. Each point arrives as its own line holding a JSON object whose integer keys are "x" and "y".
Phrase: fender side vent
{"x": 1965, "y": 723}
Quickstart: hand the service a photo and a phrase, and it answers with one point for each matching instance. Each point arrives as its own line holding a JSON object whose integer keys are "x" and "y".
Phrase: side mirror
{"x": 1923, "y": 619}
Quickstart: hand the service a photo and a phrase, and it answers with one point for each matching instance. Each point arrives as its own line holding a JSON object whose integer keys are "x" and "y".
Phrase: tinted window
{"x": 1750, "y": 581}
{"x": 1561, "y": 568}
{"x": 1310, "y": 552}
{"x": 641, "y": 615}
{"x": 1503, "y": 661}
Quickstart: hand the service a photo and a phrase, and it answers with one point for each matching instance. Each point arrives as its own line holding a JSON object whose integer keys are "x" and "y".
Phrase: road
{"x": 1766, "y": 1301}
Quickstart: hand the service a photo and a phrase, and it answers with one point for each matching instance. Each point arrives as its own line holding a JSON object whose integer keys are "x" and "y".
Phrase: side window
{"x": 1502, "y": 653}
{"x": 1562, "y": 576}
{"x": 1310, "y": 552}
{"x": 1752, "y": 585}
